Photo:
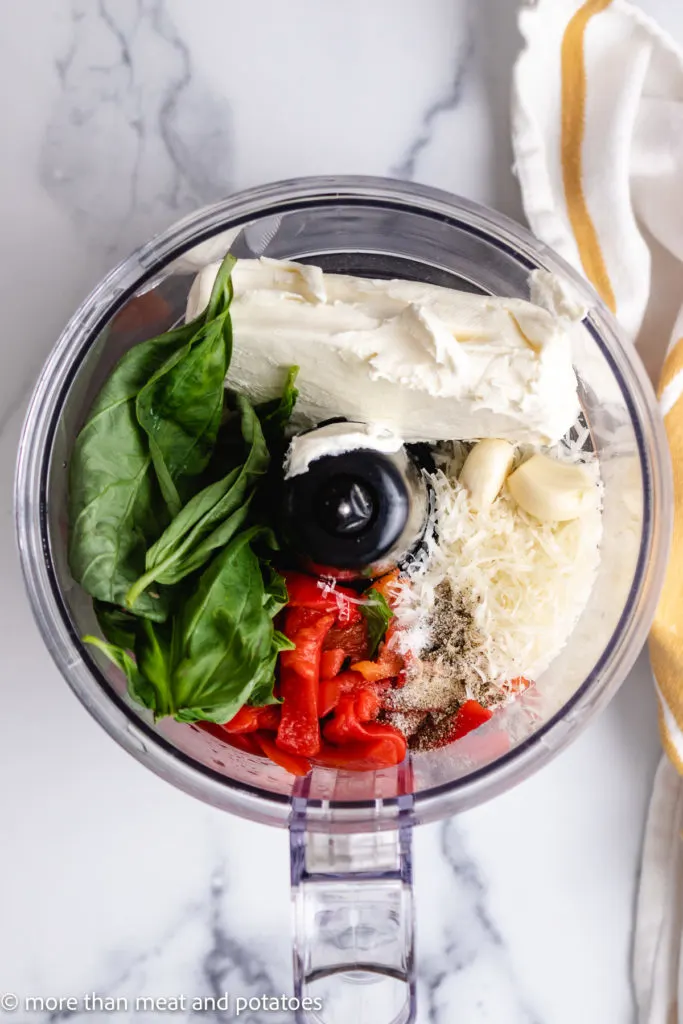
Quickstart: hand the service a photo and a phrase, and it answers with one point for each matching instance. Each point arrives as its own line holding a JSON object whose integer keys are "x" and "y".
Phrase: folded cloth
{"x": 598, "y": 141}
{"x": 659, "y": 914}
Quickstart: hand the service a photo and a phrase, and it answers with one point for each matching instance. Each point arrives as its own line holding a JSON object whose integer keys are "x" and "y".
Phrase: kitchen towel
{"x": 598, "y": 141}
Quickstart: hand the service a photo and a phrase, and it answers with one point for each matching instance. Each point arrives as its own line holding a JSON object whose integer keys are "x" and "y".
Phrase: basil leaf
{"x": 115, "y": 509}
{"x": 222, "y": 292}
{"x": 226, "y": 640}
{"x": 139, "y": 688}
{"x": 378, "y": 615}
{"x": 276, "y": 414}
{"x": 180, "y": 409}
{"x": 118, "y": 625}
{"x": 118, "y": 504}
{"x": 275, "y": 588}
{"x": 211, "y": 518}
{"x": 264, "y": 683}
{"x": 154, "y": 656}
{"x": 181, "y": 405}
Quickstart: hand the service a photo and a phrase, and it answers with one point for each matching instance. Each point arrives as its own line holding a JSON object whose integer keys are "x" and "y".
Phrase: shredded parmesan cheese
{"x": 528, "y": 581}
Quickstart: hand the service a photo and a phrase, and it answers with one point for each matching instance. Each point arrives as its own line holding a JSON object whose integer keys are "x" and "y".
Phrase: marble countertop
{"x": 120, "y": 116}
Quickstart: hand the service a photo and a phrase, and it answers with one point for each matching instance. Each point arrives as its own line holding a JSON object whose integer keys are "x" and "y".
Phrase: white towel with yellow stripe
{"x": 598, "y": 140}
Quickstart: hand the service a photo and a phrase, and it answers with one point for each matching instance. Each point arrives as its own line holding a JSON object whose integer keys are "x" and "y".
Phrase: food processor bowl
{"x": 350, "y": 832}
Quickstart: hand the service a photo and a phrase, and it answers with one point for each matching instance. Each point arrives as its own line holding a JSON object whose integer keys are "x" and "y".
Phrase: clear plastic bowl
{"x": 379, "y": 228}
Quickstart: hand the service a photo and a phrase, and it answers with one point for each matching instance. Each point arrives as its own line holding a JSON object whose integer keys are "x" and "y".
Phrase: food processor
{"x": 351, "y": 864}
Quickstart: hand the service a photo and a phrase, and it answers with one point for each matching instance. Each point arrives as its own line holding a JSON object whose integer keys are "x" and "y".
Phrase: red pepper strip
{"x": 349, "y": 681}
{"x": 331, "y": 690}
{"x": 352, "y": 640}
{"x": 298, "y": 618}
{"x": 292, "y": 763}
{"x": 269, "y": 718}
{"x": 345, "y": 726}
{"x": 369, "y": 755}
{"x": 305, "y": 591}
{"x": 329, "y": 693}
{"x": 245, "y": 741}
{"x": 470, "y": 716}
{"x": 351, "y": 721}
{"x": 250, "y": 719}
{"x": 331, "y": 663}
{"x": 308, "y": 642}
{"x": 299, "y": 730}
{"x": 387, "y": 665}
{"x": 367, "y": 704}
{"x": 387, "y": 586}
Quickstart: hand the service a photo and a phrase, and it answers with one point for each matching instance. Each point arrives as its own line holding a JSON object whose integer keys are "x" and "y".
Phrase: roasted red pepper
{"x": 299, "y": 730}
{"x": 386, "y": 665}
{"x": 345, "y": 725}
{"x": 469, "y": 716}
{"x": 367, "y": 703}
{"x": 250, "y": 719}
{"x": 244, "y": 741}
{"x": 331, "y": 663}
{"x": 299, "y": 617}
{"x": 387, "y": 586}
{"x": 290, "y": 762}
{"x": 352, "y": 640}
{"x": 308, "y": 592}
{"x": 331, "y": 690}
{"x": 352, "y": 719}
{"x": 388, "y": 749}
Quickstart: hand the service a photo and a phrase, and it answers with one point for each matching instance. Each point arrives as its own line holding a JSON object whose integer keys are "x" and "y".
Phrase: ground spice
{"x": 451, "y": 669}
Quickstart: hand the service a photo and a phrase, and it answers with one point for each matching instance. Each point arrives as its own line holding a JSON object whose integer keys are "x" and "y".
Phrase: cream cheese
{"x": 336, "y": 439}
{"x": 424, "y": 362}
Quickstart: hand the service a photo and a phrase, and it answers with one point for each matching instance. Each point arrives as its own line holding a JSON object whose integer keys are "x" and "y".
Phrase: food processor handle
{"x": 353, "y": 918}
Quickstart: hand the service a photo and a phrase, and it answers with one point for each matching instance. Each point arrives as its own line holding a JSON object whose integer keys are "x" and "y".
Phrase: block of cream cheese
{"x": 425, "y": 362}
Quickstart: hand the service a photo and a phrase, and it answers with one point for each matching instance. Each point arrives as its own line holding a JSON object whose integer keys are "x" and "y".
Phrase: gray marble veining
{"x": 407, "y": 166}
{"x": 200, "y": 957}
{"x": 473, "y": 969}
{"x": 125, "y": 152}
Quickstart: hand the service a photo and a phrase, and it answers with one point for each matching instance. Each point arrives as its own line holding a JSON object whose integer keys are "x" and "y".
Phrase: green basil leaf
{"x": 181, "y": 405}
{"x": 275, "y": 590}
{"x": 154, "y": 656}
{"x": 115, "y": 509}
{"x": 276, "y": 414}
{"x": 378, "y": 615}
{"x": 118, "y": 625}
{"x": 222, "y": 291}
{"x": 225, "y": 636}
{"x": 264, "y": 682}
{"x": 211, "y": 518}
{"x": 180, "y": 408}
{"x": 139, "y": 689}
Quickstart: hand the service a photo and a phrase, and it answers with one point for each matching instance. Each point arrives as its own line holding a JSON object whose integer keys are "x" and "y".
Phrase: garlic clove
{"x": 485, "y": 470}
{"x": 550, "y": 490}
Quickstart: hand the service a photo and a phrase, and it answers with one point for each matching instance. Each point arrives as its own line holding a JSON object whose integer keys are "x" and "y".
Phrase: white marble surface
{"x": 118, "y": 117}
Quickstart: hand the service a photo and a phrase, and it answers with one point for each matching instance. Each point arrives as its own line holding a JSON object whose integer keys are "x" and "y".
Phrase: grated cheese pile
{"x": 528, "y": 581}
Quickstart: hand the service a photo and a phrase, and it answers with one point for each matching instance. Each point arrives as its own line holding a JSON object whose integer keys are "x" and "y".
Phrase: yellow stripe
{"x": 666, "y": 638}
{"x": 672, "y": 365}
{"x": 573, "y": 125}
